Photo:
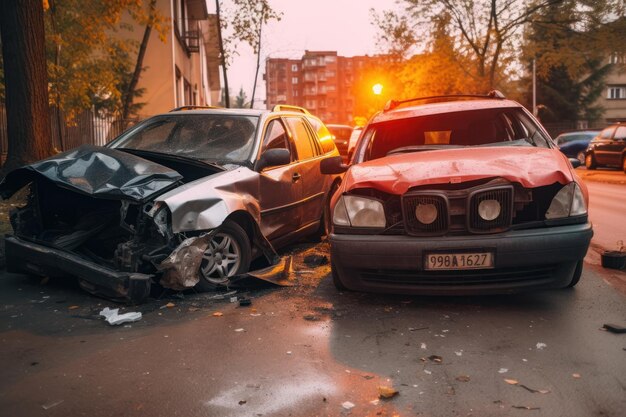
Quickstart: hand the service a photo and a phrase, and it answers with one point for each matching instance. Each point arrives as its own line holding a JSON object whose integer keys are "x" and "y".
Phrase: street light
{"x": 377, "y": 89}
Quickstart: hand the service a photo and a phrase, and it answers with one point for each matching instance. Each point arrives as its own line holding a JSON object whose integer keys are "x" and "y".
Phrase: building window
{"x": 616, "y": 93}
{"x": 294, "y": 67}
{"x": 330, "y": 88}
{"x": 294, "y": 80}
{"x": 330, "y": 58}
{"x": 616, "y": 58}
{"x": 330, "y": 73}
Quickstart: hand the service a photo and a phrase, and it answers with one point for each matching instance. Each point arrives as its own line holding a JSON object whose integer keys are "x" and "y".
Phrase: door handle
{"x": 295, "y": 177}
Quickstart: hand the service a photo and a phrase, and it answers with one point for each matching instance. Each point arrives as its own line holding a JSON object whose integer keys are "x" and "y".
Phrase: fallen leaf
{"x": 463, "y": 378}
{"x": 435, "y": 358}
{"x": 170, "y": 305}
{"x": 218, "y": 314}
{"x": 386, "y": 392}
{"x": 73, "y": 307}
{"x": 511, "y": 381}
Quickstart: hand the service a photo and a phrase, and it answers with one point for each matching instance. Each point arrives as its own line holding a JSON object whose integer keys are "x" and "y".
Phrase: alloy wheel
{"x": 221, "y": 259}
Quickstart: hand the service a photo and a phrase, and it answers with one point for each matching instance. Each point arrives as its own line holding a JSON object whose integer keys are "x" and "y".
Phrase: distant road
{"x": 607, "y": 211}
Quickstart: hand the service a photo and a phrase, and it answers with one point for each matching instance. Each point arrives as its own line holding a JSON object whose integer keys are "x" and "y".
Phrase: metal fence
{"x": 87, "y": 127}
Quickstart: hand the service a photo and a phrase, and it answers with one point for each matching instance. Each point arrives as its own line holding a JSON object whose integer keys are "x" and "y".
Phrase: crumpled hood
{"x": 98, "y": 172}
{"x": 531, "y": 167}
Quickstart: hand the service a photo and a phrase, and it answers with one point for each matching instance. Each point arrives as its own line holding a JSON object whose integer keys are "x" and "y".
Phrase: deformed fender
{"x": 180, "y": 270}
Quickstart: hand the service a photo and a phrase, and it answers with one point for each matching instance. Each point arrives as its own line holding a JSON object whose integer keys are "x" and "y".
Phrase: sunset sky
{"x": 341, "y": 25}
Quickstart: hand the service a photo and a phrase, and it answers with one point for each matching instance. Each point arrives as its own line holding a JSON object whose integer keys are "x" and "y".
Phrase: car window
{"x": 607, "y": 133}
{"x": 620, "y": 133}
{"x": 325, "y": 138}
{"x": 301, "y": 138}
{"x": 210, "y": 137}
{"x": 276, "y": 137}
{"x": 484, "y": 127}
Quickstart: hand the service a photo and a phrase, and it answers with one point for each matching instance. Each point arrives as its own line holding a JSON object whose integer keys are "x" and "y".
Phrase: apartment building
{"x": 614, "y": 98}
{"x": 183, "y": 70}
{"x": 320, "y": 81}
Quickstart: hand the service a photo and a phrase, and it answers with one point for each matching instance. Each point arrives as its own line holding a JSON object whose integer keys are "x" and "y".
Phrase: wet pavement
{"x": 309, "y": 350}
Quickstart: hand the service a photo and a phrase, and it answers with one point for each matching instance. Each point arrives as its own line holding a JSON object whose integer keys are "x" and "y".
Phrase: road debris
{"x": 525, "y": 407}
{"x": 239, "y": 330}
{"x": 347, "y": 405}
{"x": 435, "y": 358}
{"x": 311, "y": 317}
{"x": 73, "y": 307}
{"x": 245, "y": 302}
{"x": 170, "y": 305}
{"x": 426, "y": 371}
{"x": 314, "y": 260}
{"x": 614, "y": 328}
{"x": 458, "y": 353}
{"x": 576, "y": 376}
{"x": 423, "y": 346}
{"x": 541, "y": 346}
{"x": 386, "y": 392}
{"x": 503, "y": 370}
{"x": 534, "y": 391}
{"x": 113, "y": 317}
{"x": 52, "y": 404}
{"x": 414, "y": 329}
{"x": 463, "y": 378}
{"x": 218, "y": 314}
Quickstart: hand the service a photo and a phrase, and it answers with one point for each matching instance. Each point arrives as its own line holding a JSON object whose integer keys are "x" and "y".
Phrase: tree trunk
{"x": 222, "y": 54}
{"x": 26, "y": 82}
{"x": 129, "y": 95}
{"x": 258, "y": 58}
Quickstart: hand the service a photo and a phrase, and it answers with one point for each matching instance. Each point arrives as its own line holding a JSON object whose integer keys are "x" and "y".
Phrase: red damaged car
{"x": 457, "y": 195}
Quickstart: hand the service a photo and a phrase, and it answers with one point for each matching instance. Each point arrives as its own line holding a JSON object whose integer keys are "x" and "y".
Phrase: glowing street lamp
{"x": 377, "y": 89}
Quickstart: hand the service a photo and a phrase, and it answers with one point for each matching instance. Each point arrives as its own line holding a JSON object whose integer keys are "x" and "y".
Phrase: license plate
{"x": 459, "y": 261}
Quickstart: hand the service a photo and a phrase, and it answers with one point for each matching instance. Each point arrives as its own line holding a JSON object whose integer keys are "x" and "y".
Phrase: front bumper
{"x": 23, "y": 256}
{"x": 523, "y": 260}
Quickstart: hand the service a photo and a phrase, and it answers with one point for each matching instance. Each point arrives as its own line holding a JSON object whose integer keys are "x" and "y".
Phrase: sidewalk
{"x": 605, "y": 175}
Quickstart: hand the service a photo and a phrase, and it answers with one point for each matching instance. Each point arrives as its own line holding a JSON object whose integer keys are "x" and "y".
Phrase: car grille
{"x": 459, "y": 278}
{"x": 457, "y": 210}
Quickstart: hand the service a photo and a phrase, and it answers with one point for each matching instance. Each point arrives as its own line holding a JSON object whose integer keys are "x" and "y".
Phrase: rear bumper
{"x": 23, "y": 256}
{"x": 523, "y": 260}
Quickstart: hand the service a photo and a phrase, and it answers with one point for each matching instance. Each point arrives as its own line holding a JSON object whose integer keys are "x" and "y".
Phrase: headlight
{"x": 489, "y": 210}
{"x": 426, "y": 213}
{"x": 358, "y": 211}
{"x": 569, "y": 201}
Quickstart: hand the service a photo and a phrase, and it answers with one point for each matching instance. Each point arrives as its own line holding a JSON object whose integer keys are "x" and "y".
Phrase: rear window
{"x": 484, "y": 127}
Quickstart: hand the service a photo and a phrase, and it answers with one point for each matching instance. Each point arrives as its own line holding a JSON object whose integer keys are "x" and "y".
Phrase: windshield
{"x": 483, "y": 127}
{"x": 206, "y": 137}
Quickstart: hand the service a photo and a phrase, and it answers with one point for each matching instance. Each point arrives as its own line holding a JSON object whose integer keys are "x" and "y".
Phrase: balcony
{"x": 188, "y": 33}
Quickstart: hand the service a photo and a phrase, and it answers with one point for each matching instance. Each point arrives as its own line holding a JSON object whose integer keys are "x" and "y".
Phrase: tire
{"x": 578, "y": 271}
{"x": 324, "y": 228}
{"x": 581, "y": 157}
{"x": 229, "y": 243}
{"x": 590, "y": 162}
{"x": 624, "y": 164}
{"x": 336, "y": 279}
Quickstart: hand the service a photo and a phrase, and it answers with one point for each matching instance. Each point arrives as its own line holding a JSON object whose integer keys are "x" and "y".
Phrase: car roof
{"x": 578, "y": 132}
{"x": 338, "y": 126}
{"x": 443, "y": 107}
{"x": 236, "y": 112}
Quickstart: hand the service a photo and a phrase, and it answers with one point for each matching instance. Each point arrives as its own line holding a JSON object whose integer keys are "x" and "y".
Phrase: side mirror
{"x": 333, "y": 165}
{"x": 273, "y": 158}
{"x": 575, "y": 162}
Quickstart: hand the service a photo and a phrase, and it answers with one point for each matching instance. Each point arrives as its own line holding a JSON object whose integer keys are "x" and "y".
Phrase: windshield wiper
{"x": 421, "y": 148}
{"x": 197, "y": 162}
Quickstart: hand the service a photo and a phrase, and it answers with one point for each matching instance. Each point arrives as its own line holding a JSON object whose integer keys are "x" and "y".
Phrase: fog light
{"x": 426, "y": 213}
{"x": 489, "y": 210}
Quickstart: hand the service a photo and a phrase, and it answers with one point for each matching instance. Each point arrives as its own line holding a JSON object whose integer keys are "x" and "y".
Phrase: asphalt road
{"x": 306, "y": 350}
{"x": 607, "y": 211}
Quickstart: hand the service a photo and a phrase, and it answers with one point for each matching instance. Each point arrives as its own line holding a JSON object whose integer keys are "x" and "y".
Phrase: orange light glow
{"x": 377, "y": 89}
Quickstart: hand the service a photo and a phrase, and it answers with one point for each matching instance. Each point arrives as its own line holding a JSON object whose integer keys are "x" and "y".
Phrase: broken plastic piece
{"x": 245, "y": 302}
{"x": 113, "y": 317}
{"x": 347, "y": 405}
{"x": 463, "y": 378}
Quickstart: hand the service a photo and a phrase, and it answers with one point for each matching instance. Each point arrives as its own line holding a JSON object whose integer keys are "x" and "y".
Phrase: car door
{"x": 602, "y": 146}
{"x": 280, "y": 188}
{"x": 311, "y": 205}
{"x": 616, "y": 147}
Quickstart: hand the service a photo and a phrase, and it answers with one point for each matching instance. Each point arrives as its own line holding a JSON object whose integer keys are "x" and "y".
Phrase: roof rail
{"x": 288, "y": 107}
{"x": 392, "y": 104}
{"x": 195, "y": 108}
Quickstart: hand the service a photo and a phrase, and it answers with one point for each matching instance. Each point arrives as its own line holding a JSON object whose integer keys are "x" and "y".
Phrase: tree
{"x": 485, "y": 32}
{"x": 26, "y": 78}
{"x": 240, "y": 100}
{"x": 245, "y": 23}
{"x": 570, "y": 45}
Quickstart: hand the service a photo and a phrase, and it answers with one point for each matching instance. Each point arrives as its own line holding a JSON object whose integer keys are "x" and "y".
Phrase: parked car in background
{"x": 341, "y": 136}
{"x": 574, "y": 144}
{"x": 184, "y": 199}
{"x": 354, "y": 138}
{"x": 457, "y": 195}
{"x": 608, "y": 148}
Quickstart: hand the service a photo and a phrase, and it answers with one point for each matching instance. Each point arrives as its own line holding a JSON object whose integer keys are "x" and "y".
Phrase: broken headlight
{"x": 357, "y": 211}
{"x": 569, "y": 201}
{"x": 160, "y": 214}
